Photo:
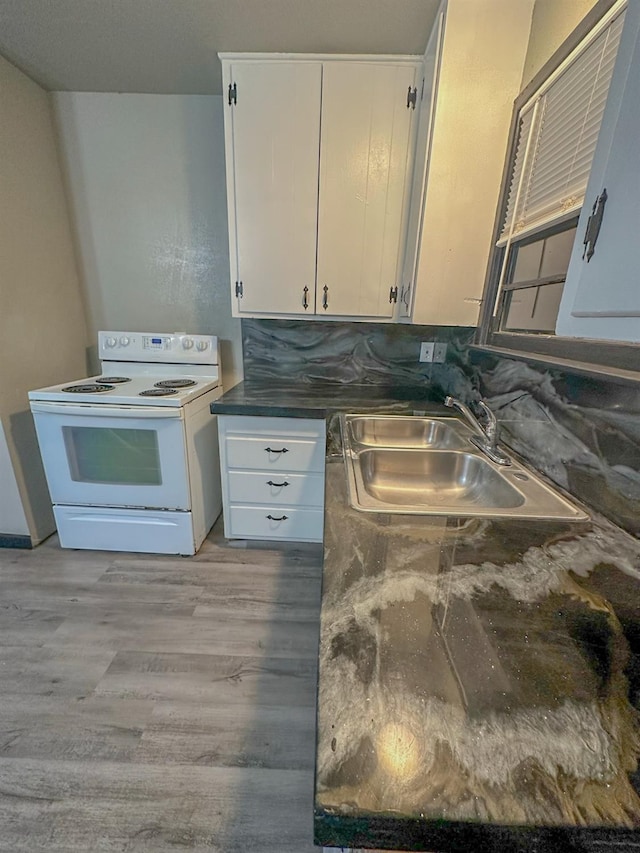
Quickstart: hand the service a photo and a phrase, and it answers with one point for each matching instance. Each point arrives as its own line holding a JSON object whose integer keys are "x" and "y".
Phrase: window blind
{"x": 563, "y": 137}
{"x": 524, "y": 129}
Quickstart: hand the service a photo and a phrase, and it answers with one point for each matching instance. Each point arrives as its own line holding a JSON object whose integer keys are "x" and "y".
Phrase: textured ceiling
{"x": 171, "y": 46}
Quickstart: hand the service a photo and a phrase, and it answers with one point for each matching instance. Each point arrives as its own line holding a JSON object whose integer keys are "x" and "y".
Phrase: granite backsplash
{"x": 582, "y": 432}
{"x": 300, "y": 351}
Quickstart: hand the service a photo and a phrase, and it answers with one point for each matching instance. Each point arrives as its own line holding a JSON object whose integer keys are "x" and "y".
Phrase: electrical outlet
{"x": 426, "y": 350}
{"x": 440, "y": 353}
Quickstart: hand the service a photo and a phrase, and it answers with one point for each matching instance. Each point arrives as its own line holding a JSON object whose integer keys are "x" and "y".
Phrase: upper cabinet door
{"x": 272, "y": 183}
{"x": 364, "y": 160}
{"x": 601, "y": 297}
{"x": 426, "y": 107}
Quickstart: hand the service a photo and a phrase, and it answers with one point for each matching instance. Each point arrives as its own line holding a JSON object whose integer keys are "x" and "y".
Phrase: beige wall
{"x": 552, "y": 22}
{"x": 42, "y": 324}
{"x": 484, "y": 47}
{"x": 147, "y": 182}
{"x": 13, "y": 521}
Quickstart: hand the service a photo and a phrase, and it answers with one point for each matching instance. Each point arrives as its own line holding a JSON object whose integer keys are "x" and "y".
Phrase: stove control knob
{"x": 202, "y": 345}
{"x": 124, "y": 341}
{"x": 187, "y": 343}
{"x": 111, "y": 342}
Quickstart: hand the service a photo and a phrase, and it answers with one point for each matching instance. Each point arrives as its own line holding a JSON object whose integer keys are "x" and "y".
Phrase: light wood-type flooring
{"x": 156, "y": 703}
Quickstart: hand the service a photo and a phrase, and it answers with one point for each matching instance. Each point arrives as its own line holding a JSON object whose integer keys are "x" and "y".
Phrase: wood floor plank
{"x": 92, "y": 599}
{"x": 211, "y": 679}
{"x": 203, "y": 570}
{"x": 27, "y": 625}
{"x": 275, "y": 737}
{"x": 50, "y": 558}
{"x": 246, "y": 609}
{"x": 135, "y": 807}
{"x": 156, "y": 633}
{"x": 209, "y": 574}
{"x": 40, "y": 670}
{"x": 77, "y": 729}
{"x": 262, "y": 596}
{"x": 158, "y": 703}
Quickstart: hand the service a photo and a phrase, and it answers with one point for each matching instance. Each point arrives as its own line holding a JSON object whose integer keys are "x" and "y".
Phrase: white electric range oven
{"x": 131, "y": 456}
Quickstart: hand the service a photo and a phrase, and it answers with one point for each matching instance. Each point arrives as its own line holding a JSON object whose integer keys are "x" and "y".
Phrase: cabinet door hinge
{"x": 593, "y": 226}
{"x": 412, "y": 96}
{"x": 233, "y": 94}
{"x": 239, "y": 290}
{"x": 393, "y": 294}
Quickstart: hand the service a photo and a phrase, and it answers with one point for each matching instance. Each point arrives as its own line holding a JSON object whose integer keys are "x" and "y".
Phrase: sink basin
{"x": 435, "y": 479}
{"x": 380, "y": 431}
{"x": 428, "y": 466}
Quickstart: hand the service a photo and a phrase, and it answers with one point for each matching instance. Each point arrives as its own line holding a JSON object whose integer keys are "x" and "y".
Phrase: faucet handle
{"x": 492, "y": 423}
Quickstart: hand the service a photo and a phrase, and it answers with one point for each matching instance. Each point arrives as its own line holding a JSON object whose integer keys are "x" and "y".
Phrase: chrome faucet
{"x": 487, "y": 440}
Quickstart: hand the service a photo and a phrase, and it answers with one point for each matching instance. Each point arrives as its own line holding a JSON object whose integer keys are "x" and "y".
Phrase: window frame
{"x": 511, "y": 252}
{"x": 539, "y": 344}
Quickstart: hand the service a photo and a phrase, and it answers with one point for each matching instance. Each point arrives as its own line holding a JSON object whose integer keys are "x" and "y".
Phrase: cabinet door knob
{"x": 277, "y": 485}
{"x": 273, "y": 518}
{"x": 305, "y": 300}
{"x": 325, "y": 297}
{"x": 271, "y": 450}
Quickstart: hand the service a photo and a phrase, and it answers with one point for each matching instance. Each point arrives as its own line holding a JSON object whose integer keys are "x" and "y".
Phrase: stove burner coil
{"x": 88, "y": 388}
{"x": 114, "y": 380}
{"x": 175, "y": 383}
{"x": 158, "y": 392}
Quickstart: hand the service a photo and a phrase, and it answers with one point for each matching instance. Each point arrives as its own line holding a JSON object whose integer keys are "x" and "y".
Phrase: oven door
{"x": 113, "y": 455}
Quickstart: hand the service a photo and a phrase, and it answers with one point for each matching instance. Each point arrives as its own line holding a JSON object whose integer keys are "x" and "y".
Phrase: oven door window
{"x": 113, "y": 455}
{"x": 108, "y": 456}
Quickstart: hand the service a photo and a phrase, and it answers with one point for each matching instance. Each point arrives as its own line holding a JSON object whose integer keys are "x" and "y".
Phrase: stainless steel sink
{"x": 436, "y": 479}
{"x": 389, "y": 431}
{"x": 428, "y": 466}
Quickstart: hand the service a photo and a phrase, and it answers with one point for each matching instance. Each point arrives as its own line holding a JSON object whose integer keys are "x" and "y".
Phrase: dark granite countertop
{"x": 318, "y": 399}
{"x": 478, "y": 683}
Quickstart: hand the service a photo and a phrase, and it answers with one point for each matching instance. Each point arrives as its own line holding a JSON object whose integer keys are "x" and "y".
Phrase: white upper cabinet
{"x": 364, "y": 159}
{"x": 318, "y": 156}
{"x": 427, "y": 108}
{"x": 272, "y": 138}
{"x": 601, "y": 297}
{"x": 477, "y": 60}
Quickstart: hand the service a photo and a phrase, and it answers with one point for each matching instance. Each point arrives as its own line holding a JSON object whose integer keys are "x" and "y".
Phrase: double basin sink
{"x": 428, "y": 466}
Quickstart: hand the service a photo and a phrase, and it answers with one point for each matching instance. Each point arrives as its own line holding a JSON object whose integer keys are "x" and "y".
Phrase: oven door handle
{"x": 102, "y": 411}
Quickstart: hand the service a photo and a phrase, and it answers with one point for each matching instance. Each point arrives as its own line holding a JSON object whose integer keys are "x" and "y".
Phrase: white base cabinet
{"x": 272, "y": 477}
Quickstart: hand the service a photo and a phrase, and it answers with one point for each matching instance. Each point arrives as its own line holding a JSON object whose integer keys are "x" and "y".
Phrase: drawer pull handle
{"x": 277, "y": 485}
{"x": 271, "y": 450}
{"x": 273, "y": 518}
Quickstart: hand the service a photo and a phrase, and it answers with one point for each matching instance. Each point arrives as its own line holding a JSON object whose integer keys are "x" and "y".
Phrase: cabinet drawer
{"x": 275, "y": 453}
{"x": 267, "y": 488}
{"x": 253, "y": 522}
{"x": 258, "y": 425}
